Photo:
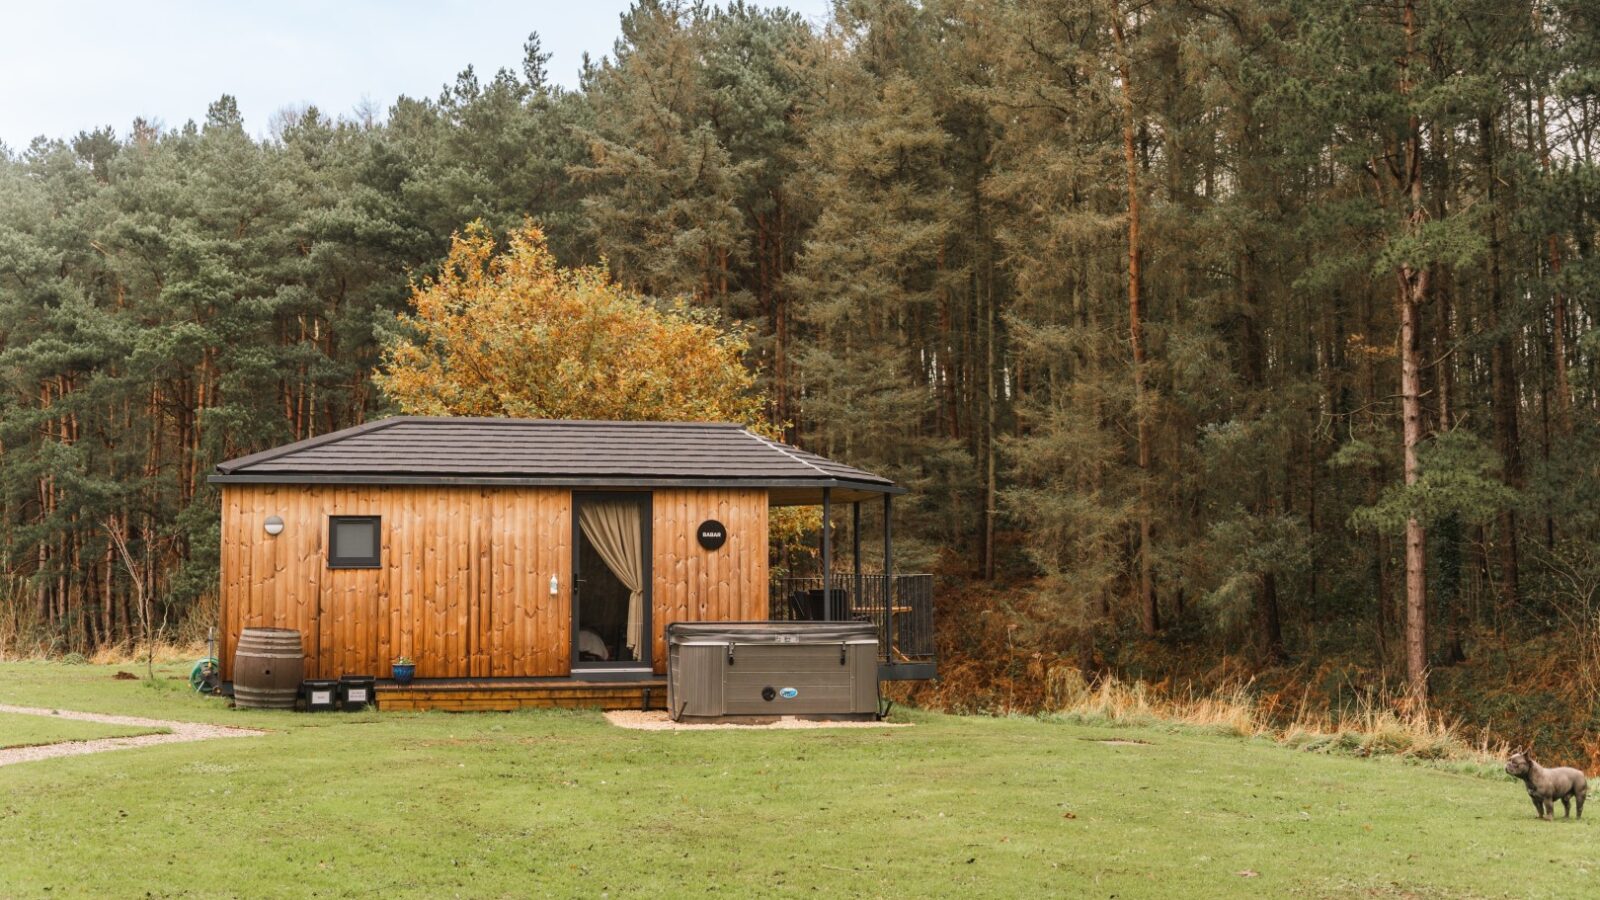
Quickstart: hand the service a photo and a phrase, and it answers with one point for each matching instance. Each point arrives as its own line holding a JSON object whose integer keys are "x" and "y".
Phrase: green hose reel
{"x": 206, "y": 676}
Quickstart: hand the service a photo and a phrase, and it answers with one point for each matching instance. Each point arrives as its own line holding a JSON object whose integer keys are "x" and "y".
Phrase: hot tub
{"x": 719, "y": 670}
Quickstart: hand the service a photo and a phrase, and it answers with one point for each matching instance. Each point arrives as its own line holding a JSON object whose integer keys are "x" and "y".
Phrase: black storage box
{"x": 356, "y": 692}
{"x": 320, "y": 695}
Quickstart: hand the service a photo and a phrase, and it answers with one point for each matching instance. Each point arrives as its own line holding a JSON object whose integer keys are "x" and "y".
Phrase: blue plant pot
{"x": 404, "y": 674}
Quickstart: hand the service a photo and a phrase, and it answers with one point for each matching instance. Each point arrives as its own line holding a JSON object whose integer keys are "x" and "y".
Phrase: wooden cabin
{"x": 533, "y": 562}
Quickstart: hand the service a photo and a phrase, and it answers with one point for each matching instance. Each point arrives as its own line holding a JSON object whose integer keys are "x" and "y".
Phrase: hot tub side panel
{"x": 822, "y": 684}
{"x": 694, "y": 687}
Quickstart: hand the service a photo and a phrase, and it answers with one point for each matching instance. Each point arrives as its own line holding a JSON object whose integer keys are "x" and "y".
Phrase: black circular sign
{"x": 712, "y": 534}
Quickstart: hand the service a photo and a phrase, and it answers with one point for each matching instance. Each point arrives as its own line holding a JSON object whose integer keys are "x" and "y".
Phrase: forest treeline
{"x": 1268, "y": 323}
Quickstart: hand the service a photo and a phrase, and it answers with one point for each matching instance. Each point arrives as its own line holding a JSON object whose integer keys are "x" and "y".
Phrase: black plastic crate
{"x": 357, "y": 692}
{"x": 320, "y": 695}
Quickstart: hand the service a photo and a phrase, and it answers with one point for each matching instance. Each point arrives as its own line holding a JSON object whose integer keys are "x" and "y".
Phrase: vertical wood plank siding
{"x": 689, "y": 583}
{"x": 464, "y": 581}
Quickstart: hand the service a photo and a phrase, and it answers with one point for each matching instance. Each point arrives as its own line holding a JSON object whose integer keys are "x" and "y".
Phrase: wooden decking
{"x": 505, "y": 694}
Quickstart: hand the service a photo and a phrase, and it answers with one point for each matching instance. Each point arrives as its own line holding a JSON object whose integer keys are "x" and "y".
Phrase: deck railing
{"x": 901, "y": 606}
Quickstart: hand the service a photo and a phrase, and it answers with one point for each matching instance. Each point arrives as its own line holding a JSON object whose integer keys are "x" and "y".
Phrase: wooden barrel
{"x": 268, "y": 667}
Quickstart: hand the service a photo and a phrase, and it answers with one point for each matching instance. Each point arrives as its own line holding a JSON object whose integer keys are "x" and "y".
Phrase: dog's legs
{"x": 1566, "y": 808}
{"x": 1538, "y": 805}
{"x": 1581, "y": 794}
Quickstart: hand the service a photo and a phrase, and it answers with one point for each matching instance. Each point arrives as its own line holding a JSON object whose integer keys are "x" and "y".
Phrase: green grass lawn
{"x": 562, "y": 804}
{"x": 19, "y": 730}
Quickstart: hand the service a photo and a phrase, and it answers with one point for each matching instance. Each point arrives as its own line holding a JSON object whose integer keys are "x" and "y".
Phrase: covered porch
{"x": 899, "y": 604}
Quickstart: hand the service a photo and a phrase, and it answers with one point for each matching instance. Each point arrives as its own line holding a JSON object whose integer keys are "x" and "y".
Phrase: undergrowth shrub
{"x": 1376, "y": 726}
{"x": 131, "y": 652}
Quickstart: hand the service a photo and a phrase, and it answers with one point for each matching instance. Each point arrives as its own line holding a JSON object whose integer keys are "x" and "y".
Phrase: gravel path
{"x": 660, "y": 721}
{"x": 180, "y": 732}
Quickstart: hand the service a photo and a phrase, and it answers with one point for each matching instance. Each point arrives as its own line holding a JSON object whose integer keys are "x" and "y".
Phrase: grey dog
{"x": 1546, "y": 786}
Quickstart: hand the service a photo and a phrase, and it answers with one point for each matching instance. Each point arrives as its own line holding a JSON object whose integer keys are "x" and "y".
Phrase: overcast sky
{"x": 66, "y": 67}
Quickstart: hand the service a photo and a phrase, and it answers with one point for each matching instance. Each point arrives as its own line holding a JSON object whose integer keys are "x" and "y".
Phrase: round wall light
{"x": 274, "y": 525}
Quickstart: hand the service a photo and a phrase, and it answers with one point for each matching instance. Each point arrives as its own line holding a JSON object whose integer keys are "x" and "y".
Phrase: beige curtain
{"x": 616, "y": 531}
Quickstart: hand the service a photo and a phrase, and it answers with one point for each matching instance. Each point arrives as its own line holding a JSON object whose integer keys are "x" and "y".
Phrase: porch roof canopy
{"x": 444, "y": 450}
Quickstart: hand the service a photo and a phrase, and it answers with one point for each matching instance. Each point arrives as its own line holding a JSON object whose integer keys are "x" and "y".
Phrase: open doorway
{"x": 611, "y": 629}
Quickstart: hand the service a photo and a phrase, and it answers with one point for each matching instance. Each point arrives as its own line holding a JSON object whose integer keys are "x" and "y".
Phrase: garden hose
{"x": 204, "y": 676}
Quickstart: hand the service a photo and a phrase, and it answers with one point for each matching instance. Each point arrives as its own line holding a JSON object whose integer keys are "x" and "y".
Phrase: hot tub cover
{"x": 770, "y": 632}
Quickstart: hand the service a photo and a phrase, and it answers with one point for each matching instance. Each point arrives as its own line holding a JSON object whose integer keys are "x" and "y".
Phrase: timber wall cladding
{"x": 690, "y": 583}
{"x": 457, "y": 587}
{"x": 463, "y": 584}
{"x": 526, "y": 631}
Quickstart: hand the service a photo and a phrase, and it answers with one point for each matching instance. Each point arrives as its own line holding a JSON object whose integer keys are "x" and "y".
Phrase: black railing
{"x": 900, "y": 605}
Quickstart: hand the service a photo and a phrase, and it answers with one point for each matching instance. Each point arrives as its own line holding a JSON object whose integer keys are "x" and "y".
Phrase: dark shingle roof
{"x": 434, "y": 449}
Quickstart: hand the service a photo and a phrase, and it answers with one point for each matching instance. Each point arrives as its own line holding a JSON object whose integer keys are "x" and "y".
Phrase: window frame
{"x": 336, "y": 561}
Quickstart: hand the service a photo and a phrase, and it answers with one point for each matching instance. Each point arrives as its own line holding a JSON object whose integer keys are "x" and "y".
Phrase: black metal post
{"x": 856, "y": 600}
{"x": 888, "y": 536}
{"x": 827, "y": 555}
{"x": 888, "y": 578}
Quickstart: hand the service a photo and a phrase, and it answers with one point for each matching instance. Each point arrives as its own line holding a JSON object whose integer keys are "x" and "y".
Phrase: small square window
{"x": 353, "y": 542}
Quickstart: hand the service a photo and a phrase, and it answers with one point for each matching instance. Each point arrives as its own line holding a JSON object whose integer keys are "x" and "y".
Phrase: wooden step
{"x": 475, "y": 695}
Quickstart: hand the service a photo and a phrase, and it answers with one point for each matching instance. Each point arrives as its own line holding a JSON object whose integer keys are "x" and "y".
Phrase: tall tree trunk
{"x": 1413, "y": 287}
{"x": 1269, "y": 625}
{"x": 1448, "y": 600}
{"x": 1413, "y": 290}
{"x": 985, "y": 294}
{"x": 990, "y": 488}
{"x": 1147, "y": 592}
{"x": 1559, "y": 345}
{"x": 1563, "y": 386}
{"x": 1502, "y": 372}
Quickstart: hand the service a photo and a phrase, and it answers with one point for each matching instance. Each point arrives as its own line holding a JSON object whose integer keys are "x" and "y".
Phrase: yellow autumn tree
{"x": 511, "y": 333}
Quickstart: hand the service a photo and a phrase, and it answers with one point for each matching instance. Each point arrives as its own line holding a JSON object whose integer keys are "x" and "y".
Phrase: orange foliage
{"x": 513, "y": 334}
